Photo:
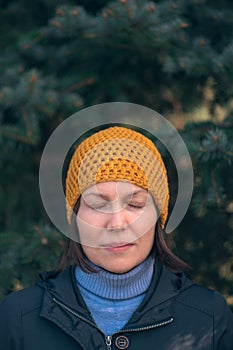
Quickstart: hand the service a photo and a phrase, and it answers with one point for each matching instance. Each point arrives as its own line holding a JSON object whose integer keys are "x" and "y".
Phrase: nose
{"x": 117, "y": 220}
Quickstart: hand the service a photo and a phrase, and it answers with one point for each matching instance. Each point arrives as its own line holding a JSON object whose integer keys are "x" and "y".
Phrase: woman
{"x": 118, "y": 286}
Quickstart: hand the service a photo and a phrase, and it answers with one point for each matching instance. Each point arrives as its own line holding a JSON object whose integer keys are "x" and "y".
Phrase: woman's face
{"x": 116, "y": 222}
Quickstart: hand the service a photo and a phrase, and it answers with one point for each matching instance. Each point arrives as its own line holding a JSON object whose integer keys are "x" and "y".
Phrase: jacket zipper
{"x": 65, "y": 307}
{"x": 108, "y": 338}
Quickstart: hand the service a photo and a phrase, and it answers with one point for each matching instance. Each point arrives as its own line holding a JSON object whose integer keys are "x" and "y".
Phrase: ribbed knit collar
{"x": 117, "y": 286}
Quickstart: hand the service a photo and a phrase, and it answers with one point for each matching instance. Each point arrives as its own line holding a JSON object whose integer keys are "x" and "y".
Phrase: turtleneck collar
{"x": 117, "y": 286}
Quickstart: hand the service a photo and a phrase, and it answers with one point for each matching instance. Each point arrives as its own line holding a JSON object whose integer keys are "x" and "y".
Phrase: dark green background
{"x": 172, "y": 56}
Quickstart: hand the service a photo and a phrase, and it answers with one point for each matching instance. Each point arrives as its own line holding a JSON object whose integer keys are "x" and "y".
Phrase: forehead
{"x": 113, "y": 188}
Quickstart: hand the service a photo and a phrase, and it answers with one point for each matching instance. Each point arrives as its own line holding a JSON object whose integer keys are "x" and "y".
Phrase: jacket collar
{"x": 62, "y": 288}
{"x": 165, "y": 285}
{"x": 64, "y": 306}
{"x": 164, "y": 288}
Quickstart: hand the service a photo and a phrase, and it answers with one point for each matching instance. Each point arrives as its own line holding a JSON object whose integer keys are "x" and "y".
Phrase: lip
{"x": 118, "y": 247}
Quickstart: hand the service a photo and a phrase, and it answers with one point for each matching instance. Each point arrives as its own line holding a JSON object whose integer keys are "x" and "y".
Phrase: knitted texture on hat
{"x": 118, "y": 154}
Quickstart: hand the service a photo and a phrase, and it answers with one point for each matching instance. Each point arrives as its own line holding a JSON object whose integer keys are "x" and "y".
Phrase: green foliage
{"x": 215, "y": 146}
{"x": 32, "y": 251}
{"x": 175, "y": 57}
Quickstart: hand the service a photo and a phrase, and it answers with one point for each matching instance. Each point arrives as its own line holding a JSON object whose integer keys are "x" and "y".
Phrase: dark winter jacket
{"x": 175, "y": 314}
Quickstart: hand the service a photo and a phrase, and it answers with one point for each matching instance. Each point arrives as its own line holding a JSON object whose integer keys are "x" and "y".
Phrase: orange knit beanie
{"x": 118, "y": 154}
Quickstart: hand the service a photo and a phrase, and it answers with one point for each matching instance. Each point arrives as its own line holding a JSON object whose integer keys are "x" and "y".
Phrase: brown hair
{"x": 74, "y": 254}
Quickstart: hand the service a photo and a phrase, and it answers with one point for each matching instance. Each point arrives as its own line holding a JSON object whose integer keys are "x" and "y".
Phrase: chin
{"x": 119, "y": 269}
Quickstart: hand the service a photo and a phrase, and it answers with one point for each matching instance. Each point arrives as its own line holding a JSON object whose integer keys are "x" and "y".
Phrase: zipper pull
{"x": 108, "y": 340}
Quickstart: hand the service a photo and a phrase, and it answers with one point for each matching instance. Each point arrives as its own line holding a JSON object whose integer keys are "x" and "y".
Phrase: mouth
{"x": 117, "y": 247}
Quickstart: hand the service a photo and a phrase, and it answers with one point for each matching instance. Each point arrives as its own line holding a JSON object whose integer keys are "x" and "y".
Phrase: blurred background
{"x": 58, "y": 57}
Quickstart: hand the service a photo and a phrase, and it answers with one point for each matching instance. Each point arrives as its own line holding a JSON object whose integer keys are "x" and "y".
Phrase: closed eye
{"x": 96, "y": 204}
{"x": 136, "y": 205}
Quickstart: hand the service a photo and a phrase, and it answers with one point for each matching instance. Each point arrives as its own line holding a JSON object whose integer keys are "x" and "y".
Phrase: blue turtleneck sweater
{"x": 112, "y": 298}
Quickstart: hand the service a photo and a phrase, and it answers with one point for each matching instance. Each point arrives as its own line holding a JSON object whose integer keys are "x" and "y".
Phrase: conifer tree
{"x": 174, "y": 57}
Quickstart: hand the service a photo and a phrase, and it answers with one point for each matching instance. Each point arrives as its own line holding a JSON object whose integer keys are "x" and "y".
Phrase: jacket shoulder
{"x": 203, "y": 299}
{"x": 24, "y": 300}
{"x": 12, "y": 311}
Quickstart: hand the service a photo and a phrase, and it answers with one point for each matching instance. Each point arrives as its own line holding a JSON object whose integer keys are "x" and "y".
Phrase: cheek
{"x": 90, "y": 252}
{"x": 89, "y": 229}
{"x": 144, "y": 222}
{"x": 90, "y": 218}
{"x": 146, "y": 241}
